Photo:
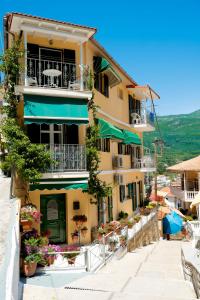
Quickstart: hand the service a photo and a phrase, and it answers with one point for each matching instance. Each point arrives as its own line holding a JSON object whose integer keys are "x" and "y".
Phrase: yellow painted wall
{"x": 115, "y": 107}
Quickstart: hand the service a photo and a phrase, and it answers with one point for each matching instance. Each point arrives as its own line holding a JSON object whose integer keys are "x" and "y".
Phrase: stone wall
{"x": 148, "y": 234}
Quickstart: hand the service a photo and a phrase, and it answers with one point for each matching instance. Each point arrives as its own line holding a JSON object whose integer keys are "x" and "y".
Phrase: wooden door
{"x": 53, "y": 211}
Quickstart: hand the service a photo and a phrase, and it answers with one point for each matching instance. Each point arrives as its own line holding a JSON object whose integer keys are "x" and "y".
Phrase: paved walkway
{"x": 151, "y": 273}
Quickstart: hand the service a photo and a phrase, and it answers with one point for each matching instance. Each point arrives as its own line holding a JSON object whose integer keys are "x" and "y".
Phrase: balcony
{"x": 190, "y": 195}
{"x": 144, "y": 164}
{"x": 51, "y": 77}
{"x": 68, "y": 158}
{"x": 143, "y": 120}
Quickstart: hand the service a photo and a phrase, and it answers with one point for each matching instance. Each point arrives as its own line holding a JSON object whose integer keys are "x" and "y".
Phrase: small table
{"x": 52, "y": 73}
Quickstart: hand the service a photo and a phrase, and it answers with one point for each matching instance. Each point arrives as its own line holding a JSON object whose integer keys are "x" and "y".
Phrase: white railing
{"x": 61, "y": 75}
{"x": 146, "y": 162}
{"x": 190, "y": 195}
{"x": 67, "y": 157}
{"x": 143, "y": 116}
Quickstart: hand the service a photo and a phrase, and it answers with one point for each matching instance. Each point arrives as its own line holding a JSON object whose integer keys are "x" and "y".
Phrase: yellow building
{"x": 54, "y": 94}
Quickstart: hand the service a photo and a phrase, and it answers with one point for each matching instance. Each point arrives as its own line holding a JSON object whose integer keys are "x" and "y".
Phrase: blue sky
{"x": 157, "y": 41}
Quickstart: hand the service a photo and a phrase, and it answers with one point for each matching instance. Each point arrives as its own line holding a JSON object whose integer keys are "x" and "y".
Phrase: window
{"x": 124, "y": 149}
{"x": 122, "y": 193}
{"x": 103, "y": 145}
{"x": 134, "y": 107}
{"x": 120, "y": 93}
{"x": 141, "y": 199}
{"x": 101, "y": 84}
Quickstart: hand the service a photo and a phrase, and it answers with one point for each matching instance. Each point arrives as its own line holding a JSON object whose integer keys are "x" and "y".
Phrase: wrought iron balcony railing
{"x": 67, "y": 157}
{"x": 55, "y": 74}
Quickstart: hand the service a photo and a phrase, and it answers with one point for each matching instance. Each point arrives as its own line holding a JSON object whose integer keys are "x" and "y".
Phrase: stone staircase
{"x": 153, "y": 272}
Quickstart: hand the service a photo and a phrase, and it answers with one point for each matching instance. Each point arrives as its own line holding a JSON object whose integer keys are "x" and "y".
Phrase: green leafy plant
{"x": 23, "y": 157}
{"x": 123, "y": 215}
{"x": 81, "y": 218}
{"x": 34, "y": 257}
{"x": 96, "y": 187}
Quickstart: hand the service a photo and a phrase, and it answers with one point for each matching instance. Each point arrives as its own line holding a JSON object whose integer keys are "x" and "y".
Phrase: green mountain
{"x": 181, "y": 136}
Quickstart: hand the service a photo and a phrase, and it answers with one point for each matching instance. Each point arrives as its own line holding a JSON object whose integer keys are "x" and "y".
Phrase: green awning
{"x": 55, "y": 110}
{"x": 109, "y": 131}
{"x": 102, "y": 65}
{"x": 59, "y": 186}
{"x": 131, "y": 138}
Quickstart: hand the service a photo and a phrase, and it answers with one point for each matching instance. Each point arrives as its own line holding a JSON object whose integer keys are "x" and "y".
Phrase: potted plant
{"x": 30, "y": 263}
{"x": 123, "y": 215}
{"x": 79, "y": 219}
{"x": 28, "y": 215}
{"x": 75, "y": 236}
{"x": 84, "y": 231}
{"x": 137, "y": 218}
{"x": 130, "y": 223}
{"x": 123, "y": 240}
{"x": 113, "y": 241}
{"x": 101, "y": 231}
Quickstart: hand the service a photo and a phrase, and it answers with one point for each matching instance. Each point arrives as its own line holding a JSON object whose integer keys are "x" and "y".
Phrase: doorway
{"x": 53, "y": 209}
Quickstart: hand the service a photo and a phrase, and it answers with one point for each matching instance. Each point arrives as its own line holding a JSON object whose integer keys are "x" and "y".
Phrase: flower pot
{"x": 26, "y": 225}
{"x": 50, "y": 260}
{"x": 29, "y": 268}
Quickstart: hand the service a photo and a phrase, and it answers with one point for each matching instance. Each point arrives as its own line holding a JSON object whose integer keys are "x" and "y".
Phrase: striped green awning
{"x": 109, "y": 131}
{"x": 131, "y": 138}
{"x": 102, "y": 65}
{"x": 52, "y": 110}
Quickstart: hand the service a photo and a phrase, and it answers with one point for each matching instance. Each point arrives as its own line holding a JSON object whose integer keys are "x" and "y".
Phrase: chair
{"x": 32, "y": 81}
{"x": 74, "y": 85}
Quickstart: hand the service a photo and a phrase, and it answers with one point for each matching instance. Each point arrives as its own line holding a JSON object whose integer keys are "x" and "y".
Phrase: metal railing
{"x": 143, "y": 116}
{"x": 146, "y": 162}
{"x": 62, "y": 75}
{"x": 190, "y": 195}
{"x": 190, "y": 264}
{"x": 67, "y": 157}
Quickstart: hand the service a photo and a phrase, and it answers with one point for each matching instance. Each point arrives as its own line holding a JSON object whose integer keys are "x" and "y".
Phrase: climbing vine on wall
{"x": 96, "y": 187}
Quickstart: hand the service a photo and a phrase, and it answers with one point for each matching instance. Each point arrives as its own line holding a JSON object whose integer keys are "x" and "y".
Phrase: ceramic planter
{"x": 50, "y": 260}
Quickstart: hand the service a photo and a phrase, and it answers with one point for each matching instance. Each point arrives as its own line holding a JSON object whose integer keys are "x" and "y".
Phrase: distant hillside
{"x": 181, "y": 134}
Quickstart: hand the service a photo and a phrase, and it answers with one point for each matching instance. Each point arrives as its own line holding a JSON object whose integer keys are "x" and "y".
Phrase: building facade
{"x": 189, "y": 171}
{"x": 53, "y": 89}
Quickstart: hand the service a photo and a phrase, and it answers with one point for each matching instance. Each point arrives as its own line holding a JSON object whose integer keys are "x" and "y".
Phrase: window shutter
{"x": 122, "y": 193}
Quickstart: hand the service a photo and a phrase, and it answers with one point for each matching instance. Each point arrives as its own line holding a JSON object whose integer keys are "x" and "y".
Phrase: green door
{"x": 54, "y": 217}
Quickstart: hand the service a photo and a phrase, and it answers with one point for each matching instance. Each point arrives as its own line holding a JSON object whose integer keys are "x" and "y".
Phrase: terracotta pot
{"x": 26, "y": 225}
{"x": 29, "y": 268}
{"x": 50, "y": 260}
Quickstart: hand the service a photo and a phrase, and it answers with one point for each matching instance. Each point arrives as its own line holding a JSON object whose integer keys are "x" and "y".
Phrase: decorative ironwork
{"x": 68, "y": 157}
